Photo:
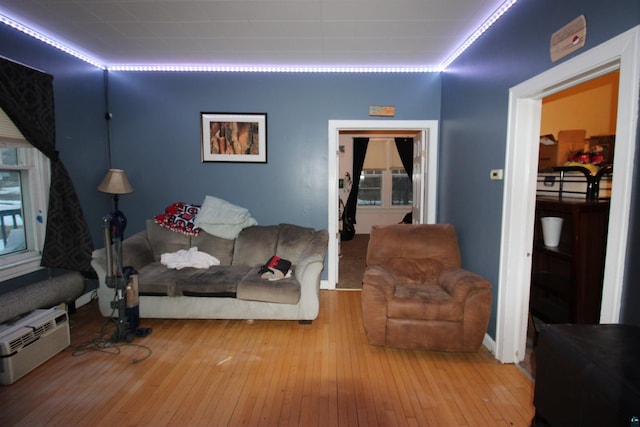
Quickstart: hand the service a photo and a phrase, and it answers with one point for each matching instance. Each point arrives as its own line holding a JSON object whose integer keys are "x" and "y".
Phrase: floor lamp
{"x": 124, "y": 283}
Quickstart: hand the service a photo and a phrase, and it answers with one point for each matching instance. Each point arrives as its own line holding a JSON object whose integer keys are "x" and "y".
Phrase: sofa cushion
{"x": 156, "y": 279}
{"x": 292, "y": 241}
{"x": 215, "y": 281}
{"x": 253, "y": 287}
{"x": 424, "y": 302}
{"x": 163, "y": 240}
{"x": 255, "y": 245}
{"x": 214, "y": 246}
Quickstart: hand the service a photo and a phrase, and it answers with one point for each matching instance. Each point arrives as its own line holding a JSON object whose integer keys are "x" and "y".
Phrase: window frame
{"x": 35, "y": 170}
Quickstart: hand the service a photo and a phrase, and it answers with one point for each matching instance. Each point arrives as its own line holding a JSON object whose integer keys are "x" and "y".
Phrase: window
{"x": 401, "y": 188}
{"x": 24, "y": 190}
{"x": 370, "y": 190}
{"x": 384, "y": 181}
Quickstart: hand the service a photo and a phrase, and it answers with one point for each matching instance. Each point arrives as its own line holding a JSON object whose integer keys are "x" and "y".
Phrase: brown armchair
{"x": 415, "y": 293}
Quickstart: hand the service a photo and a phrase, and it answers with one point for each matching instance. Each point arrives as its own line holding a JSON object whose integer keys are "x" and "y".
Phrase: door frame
{"x": 525, "y": 105}
{"x": 429, "y": 130}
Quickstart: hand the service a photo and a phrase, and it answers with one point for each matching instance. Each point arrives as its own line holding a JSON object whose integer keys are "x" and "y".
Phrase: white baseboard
{"x": 489, "y": 343}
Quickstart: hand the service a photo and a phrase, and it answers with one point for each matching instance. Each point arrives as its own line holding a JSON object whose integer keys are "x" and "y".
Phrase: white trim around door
{"x": 623, "y": 53}
{"x": 429, "y": 130}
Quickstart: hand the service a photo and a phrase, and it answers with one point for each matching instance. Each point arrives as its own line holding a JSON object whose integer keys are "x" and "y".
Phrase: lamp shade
{"x": 115, "y": 182}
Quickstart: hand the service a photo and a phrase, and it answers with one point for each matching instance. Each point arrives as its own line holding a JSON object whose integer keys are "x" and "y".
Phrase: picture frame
{"x": 233, "y": 137}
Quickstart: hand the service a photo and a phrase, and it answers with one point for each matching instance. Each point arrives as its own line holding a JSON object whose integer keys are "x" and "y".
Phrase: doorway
{"x": 376, "y": 204}
{"x": 620, "y": 53}
{"x": 577, "y": 125}
{"x": 428, "y": 134}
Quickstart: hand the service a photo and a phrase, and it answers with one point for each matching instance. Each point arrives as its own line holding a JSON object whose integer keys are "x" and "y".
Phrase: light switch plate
{"x": 496, "y": 174}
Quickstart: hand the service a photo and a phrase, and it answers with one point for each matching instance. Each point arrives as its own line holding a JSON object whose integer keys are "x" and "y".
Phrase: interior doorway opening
{"x": 620, "y": 53}
{"x": 375, "y": 187}
{"x": 425, "y": 131}
{"x": 577, "y": 133}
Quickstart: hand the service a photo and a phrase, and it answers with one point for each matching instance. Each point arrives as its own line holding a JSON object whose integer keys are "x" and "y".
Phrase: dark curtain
{"x": 26, "y": 96}
{"x": 405, "y": 150}
{"x": 359, "y": 153}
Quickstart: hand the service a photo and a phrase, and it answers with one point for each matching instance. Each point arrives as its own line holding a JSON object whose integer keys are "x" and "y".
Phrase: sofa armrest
{"x": 308, "y": 270}
{"x": 315, "y": 252}
{"x": 136, "y": 251}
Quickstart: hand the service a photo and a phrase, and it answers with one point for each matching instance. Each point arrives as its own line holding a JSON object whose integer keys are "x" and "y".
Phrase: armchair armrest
{"x": 460, "y": 283}
{"x": 378, "y": 287}
{"x": 379, "y": 279}
{"x": 474, "y": 292}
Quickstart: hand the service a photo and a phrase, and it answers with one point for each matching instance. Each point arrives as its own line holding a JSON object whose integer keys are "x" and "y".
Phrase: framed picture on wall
{"x": 234, "y": 137}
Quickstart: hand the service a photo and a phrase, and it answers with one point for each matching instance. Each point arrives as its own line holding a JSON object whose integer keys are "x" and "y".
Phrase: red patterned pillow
{"x": 179, "y": 217}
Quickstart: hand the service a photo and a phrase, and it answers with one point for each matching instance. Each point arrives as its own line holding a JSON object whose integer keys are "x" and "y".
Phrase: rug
{"x": 352, "y": 262}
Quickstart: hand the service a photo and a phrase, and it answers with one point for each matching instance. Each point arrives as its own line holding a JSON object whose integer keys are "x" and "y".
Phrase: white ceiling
{"x": 280, "y": 33}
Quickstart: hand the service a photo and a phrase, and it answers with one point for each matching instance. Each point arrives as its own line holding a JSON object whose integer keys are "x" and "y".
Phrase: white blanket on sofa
{"x": 223, "y": 219}
{"x": 191, "y": 257}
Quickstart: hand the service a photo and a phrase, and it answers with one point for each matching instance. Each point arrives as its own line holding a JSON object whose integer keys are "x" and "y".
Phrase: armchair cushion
{"x": 414, "y": 270}
{"x": 437, "y": 242}
{"x": 424, "y": 302}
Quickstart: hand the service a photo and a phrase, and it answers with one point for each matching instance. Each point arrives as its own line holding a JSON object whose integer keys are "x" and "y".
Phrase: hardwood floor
{"x": 265, "y": 373}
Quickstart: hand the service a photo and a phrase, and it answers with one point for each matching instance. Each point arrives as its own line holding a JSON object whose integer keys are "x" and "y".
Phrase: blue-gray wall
{"x": 155, "y": 132}
{"x": 474, "y": 118}
{"x": 156, "y": 136}
{"x": 155, "y": 128}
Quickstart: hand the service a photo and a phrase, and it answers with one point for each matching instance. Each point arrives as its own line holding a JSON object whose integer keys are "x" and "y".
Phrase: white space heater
{"x": 30, "y": 340}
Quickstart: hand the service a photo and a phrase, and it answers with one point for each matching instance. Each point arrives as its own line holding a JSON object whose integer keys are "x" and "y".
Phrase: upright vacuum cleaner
{"x": 124, "y": 280}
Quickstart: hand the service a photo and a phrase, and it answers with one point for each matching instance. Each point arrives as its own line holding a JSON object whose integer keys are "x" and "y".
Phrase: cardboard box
{"x": 569, "y": 141}
{"x": 547, "y": 157}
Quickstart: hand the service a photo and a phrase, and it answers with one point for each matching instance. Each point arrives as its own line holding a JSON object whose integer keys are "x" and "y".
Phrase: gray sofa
{"x": 232, "y": 290}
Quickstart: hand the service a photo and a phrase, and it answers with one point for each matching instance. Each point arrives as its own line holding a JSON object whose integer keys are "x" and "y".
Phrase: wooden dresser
{"x": 566, "y": 281}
